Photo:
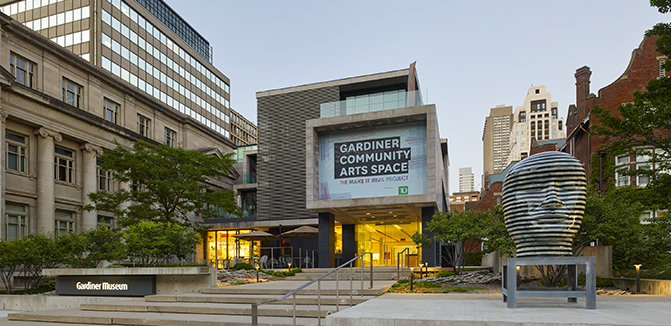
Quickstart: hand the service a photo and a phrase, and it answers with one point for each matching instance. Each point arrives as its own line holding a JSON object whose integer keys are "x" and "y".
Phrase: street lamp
{"x": 638, "y": 278}
{"x": 257, "y": 273}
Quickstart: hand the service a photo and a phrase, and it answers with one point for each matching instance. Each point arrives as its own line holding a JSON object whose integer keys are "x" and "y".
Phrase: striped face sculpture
{"x": 544, "y": 202}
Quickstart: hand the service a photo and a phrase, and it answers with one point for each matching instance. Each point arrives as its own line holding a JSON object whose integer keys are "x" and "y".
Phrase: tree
{"x": 168, "y": 184}
{"x": 464, "y": 230}
{"x": 153, "y": 242}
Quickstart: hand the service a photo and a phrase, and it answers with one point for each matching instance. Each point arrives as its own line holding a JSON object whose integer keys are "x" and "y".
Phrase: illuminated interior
{"x": 386, "y": 237}
{"x": 224, "y": 250}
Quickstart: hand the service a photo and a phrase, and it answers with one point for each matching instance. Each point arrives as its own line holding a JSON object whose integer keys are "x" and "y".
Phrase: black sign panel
{"x": 370, "y": 157}
{"x": 102, "y": 285}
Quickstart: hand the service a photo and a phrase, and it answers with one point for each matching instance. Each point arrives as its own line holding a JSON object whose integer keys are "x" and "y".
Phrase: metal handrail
{"x": 398, "y": 262}
{"x": 255, "y": 314}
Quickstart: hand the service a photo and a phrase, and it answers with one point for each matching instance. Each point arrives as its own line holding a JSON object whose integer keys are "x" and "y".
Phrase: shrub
{"x": 444, "y": 274}
{"x": 240, "y": 266}
{"x": 474, "y": 258}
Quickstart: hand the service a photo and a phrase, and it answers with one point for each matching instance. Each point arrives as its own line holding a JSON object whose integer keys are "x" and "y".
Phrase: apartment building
{"x": 496, "y": 140}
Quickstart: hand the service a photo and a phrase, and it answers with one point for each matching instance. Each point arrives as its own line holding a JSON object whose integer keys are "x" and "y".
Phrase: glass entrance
{"x": 386, "y": 238}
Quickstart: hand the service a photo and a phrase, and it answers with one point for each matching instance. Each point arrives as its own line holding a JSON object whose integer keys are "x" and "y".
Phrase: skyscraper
{"x": 466, "y": 183}
{"x": 145, "y": 43}
{"x": 496, "y": 139}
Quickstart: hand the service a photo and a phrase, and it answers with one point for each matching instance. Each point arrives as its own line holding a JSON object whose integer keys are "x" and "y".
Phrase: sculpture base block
{"x": 572, "y": 292}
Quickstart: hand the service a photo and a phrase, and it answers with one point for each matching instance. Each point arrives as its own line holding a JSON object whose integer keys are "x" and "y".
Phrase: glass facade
{"x": 373, "y": 102}
{"x": 63, "y": 22}
{"x": 223, "y": 250}
{"x": 161, "y": 68}
{"x": 385, "y": 239}
{"x": 180, "y": 27}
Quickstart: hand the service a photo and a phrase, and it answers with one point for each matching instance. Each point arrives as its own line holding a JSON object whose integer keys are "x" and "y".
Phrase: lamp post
{"x": 412, "y": 277}
{"x": 638, "y": 278}
{"x": 421, "y": 271}
{"x": 257, "y": 273}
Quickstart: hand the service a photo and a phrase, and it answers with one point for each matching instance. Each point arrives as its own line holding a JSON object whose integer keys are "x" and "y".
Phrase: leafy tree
{"x": 11, "y": 259}
{"x": 152, "y": 242}
{"x": 103, "y": 243}
{"x": 464, "y": 230}
{"x": 39, "y": 251}
{"x": 168, "y": 184}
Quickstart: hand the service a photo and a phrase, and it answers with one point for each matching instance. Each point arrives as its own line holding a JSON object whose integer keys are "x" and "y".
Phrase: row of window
{"x": 24, "y": 71}
{"x": 17, "y": 221}
{"x": 58, "y": 19}
{"x": 158, "y": 35}
{"x": 642, "y": 162}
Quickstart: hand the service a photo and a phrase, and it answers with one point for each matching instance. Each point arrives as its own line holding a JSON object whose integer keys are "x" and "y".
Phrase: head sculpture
{"x": 544, "y": 202}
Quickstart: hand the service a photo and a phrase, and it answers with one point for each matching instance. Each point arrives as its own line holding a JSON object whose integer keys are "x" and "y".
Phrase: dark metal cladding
{"x": 544, "y": 202}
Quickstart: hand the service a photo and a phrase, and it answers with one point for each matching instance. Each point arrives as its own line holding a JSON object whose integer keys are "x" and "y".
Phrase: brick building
{"x": 645, "y": 65}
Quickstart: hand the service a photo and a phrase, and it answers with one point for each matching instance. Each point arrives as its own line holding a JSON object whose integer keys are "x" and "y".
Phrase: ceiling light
{"x": 398, "y": 227}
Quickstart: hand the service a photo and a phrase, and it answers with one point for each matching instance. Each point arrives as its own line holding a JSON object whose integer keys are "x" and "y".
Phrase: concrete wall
{"x": 48, "y": 302}
{"x": 603, "y": 254}
{"x": 656, "y": 287}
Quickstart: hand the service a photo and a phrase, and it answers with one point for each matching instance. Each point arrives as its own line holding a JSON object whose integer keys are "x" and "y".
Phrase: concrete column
{"x": 428, "y": 252}
{"x": 126, "y": 204}
{"x": 89, "y": 178}
{"x": 3, "y": 150}
{"x": 348, "y": 242}
{"x": 46, "y": 209}
{"x": 326, "y": 240}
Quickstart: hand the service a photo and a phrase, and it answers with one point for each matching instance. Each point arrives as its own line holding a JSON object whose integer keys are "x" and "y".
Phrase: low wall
{"x": 603, "y": 255}
{"x": 48, "y": 302}
{"x": 657, "y": 287}
{"x": 168, "y": 279}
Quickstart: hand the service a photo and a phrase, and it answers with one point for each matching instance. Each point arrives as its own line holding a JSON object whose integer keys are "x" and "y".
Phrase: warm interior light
{"x": 391, "y": 213}
{"x": 367, "y": 213}
{"x": 398, "y": 227}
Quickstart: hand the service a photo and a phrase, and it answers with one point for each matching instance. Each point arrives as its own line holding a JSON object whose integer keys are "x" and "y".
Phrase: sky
{"x": 471, "y": 55}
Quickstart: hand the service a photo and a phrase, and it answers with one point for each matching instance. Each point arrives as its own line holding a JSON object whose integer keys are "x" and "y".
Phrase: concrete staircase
{"x": 380, "y": 273}
{"x": 224, "y": 306}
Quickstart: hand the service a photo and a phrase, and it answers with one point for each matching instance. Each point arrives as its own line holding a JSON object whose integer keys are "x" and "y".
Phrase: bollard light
{"x": 638, "y": 278}
{"x": 421, "y": 269}
{"x": 289, "y": 264}
{"x": 412, "y": 277}
{"x": 257, "y": 273}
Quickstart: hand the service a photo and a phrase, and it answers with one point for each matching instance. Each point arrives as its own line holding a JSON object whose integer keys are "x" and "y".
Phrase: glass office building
{"x": 147, "y": 44}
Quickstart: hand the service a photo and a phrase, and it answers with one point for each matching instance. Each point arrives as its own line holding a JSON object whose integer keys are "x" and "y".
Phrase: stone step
{"x": 344, "y": 299}
{"x": 279, "y": 292}
{"x": 277, "y": 310}
{"x": 346, "y": 277}
{"x": 80, "y": 317}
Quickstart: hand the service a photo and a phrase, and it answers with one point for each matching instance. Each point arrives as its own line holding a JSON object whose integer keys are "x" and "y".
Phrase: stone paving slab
{"x": 147, "y": 318}
{"x": 489, "y": 310}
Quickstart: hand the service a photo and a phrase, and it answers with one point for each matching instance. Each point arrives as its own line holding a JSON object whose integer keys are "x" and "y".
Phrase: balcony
{"x": 249, "y": 178}
{"x": 373, "y": 102}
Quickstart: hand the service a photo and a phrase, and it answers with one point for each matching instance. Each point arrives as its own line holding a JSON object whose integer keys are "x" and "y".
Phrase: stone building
{"x": 58, "y": 111}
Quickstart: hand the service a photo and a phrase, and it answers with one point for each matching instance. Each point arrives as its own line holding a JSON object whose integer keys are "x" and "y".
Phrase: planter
{"x": 656, "y": 287}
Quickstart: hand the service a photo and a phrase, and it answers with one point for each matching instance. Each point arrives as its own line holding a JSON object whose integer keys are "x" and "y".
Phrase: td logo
{"x": 402, "y": 190}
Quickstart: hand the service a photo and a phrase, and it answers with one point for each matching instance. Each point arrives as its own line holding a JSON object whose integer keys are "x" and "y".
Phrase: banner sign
{"x": 101, "y": 285}
{"x": 373, "y": 162}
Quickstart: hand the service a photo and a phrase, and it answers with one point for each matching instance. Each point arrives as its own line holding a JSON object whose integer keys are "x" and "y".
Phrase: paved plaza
{"x": 475, "y": 309}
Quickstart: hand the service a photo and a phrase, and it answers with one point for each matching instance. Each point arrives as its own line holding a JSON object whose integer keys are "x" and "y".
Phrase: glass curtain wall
{"x": 385, "y": 239}
{"x": 224, "y": 250}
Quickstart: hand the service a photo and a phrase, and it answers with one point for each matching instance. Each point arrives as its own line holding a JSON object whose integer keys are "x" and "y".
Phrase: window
{"x": 104, "y": 178}
{"x": 65, "y": 222}
{"x": 71, "y": 92}
{"x": 642, "y": 180}
{"x": 554, "y": 113}
{"x": 560, "y": 124}
{"x": 17, "y": 221}
{"x": 662, "y": 71}
{"x": 111, "y": 111}
{"x": 105, "y": 221}
{"x": 620, "y": 178}
{"x": 538, "y": 106}
{"x": 64, "y": 165}
{"x": 17, "y": 151}
{"x": 538, "y": 91}
{"x": 170, "y": 136}
{"x": 143, "y": 125}
{"x": 23, "y": 70}
{"x": 523, "y": 116}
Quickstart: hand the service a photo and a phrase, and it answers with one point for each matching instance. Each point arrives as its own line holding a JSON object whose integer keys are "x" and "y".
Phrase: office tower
{"x": 145, "y": 43}
{"x": 466, "y": 180}
{"x": 496, "y": 140}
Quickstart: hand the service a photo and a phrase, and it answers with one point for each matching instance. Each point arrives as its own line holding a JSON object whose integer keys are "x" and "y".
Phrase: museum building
{"x": 358, "y": 158}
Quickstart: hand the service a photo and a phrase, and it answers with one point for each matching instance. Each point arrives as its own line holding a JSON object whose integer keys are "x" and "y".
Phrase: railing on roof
{"x": 373, "y": 102}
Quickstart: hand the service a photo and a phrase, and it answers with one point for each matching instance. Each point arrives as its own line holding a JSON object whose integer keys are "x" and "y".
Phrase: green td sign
{"x": 402, "y": 190}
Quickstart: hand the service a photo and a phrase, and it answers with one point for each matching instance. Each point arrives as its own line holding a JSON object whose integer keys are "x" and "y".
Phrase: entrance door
{"x": 386, "y": 239}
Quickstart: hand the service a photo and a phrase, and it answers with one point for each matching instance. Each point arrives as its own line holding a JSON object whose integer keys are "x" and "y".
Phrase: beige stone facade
{"x": 54, "y": 127}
